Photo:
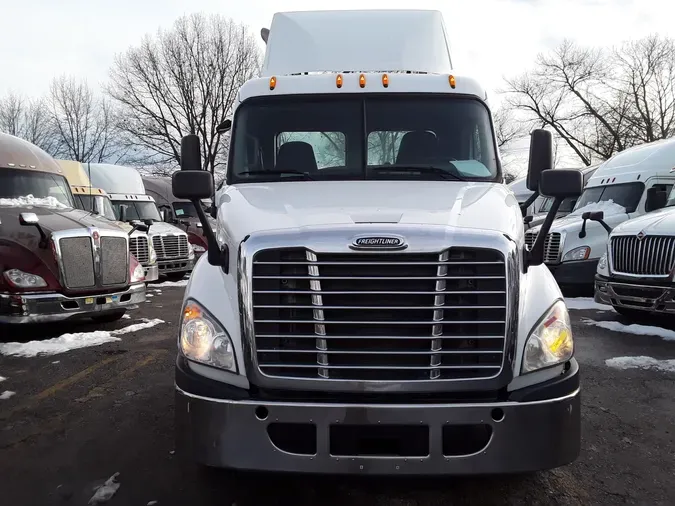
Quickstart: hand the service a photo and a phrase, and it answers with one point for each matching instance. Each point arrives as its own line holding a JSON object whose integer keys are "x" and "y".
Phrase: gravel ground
{"x": 79, "y": 417}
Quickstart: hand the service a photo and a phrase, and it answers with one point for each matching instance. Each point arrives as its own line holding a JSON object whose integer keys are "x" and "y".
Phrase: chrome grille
{"x": 551, "y": 245}
{"x": 170, "y": 246}
{"x": 379, "y": 316}
{"x": 114, "y": 261}
{"x": 140, "y": 249}
{"x": 77, "y": 260}
{"x": 650, "y": 256}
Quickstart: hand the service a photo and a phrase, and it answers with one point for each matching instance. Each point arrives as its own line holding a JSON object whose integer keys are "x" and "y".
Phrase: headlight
{"x": 602, "y": 263}
{"x": 20, "y": 279}
{"x": 550, "y": 342}
{"x": 580, "y": 253}
{"x": 203, "y": 340}
{"x": 198, "y": 249}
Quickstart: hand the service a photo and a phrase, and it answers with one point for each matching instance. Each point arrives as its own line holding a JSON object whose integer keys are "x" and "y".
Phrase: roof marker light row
{"x": 339, "y": 80}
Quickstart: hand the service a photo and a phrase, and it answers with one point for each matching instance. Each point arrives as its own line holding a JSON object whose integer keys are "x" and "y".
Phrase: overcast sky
{"x": 489, "y": 38}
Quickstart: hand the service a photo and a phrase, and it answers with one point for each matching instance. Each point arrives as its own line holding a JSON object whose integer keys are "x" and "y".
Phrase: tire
{"x": 109, "y": 317}
{"x": 175, "y": 276}
{"x": 633, "y": 314}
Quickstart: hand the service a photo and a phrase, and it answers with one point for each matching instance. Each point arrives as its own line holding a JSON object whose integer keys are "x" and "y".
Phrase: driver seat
{"x": 418, "y": 147}
{"x": 296, "y": 156}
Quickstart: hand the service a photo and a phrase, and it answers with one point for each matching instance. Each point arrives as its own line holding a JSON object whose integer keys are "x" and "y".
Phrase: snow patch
{"x": 126, "y": 317}
{"x": 641, "y": 362}
{"x": 585, "y": 303}
{"x": 6, "y": 395}
{"x": 172, "y": 284}
{"x": 149, "y": 295}
{"x": 73, "y": 341}
{"x": 606, "y": 206}
{"x": 29, "y": 200}
{"x": 636, "y": 329}
{"x": 105, "y": 492}
{"x": 2, "y": 378}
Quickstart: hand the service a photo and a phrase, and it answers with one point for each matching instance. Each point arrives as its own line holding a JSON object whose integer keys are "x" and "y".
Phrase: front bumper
{"x": 577, "y": 273}
{"x": 522, "y": 433}
{"x": 51, "y": 307}
{"x": 151, "y": 272}
{"x": 645, "y": 297}
{"x": 178, "y": 265}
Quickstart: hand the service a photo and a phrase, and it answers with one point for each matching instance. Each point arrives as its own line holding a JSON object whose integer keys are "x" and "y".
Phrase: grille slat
{"x": 140, "y": 249}
{"x": 379, "y": 316}
{"x": 651, "y": 256}
{"x": 552, "y": 245}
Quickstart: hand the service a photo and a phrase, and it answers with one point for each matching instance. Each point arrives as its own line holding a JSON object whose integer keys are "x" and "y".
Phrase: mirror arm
{"x": 43, "y": 237}
{"x": 605, "y": 226}
{"x": 528, "y": 202}
{"x": 216, "y": 255}
{"x": 536, "y": 256}
{"x": 582, "y": 232}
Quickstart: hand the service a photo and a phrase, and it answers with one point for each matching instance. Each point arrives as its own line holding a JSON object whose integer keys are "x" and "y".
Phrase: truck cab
{"x": 178, "y": 212}
{"x": 632, "y": 183}
{"x": 636, "y": 273}
{"x": 57, "y": 262}
{"x": 175, "y": 255}
{"x": 97, "y": 201}
{"x": 367, "y": 304}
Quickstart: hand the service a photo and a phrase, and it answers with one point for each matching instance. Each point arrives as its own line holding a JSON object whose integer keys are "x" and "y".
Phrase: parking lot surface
{"x": 76, "y": 418}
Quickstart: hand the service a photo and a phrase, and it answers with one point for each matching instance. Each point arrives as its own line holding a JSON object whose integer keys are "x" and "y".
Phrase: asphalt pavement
{"x": 77, "y": 418}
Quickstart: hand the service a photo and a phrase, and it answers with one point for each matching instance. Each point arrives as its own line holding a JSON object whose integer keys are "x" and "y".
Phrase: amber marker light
{"x": 453, "y": 83}
{"x": 362, "y": 80}
{"x": 385, "y": 80}
{"x": 273, "y": 83}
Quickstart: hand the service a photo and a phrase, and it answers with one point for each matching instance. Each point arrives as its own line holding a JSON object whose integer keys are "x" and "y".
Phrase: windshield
{"x": 565, "y": 207}
{"x": 627, "y": 195}
{"x": 137, "y": 210}
{"x": 671, "y": 198}
{"x": 103, "y": 205}
{"x": 355, "y": 137}
{"x": 15, "y": 183}
{"x": 184, "y": 210}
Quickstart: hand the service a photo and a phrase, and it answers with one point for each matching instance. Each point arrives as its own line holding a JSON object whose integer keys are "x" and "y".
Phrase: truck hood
{"x": 161, "y": 227}
{"x": 661, "y": 222}
{"x": 252, "y": 207}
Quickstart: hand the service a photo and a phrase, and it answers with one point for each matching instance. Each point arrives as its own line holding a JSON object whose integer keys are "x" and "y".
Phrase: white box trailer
{"x": 367, "y": 303}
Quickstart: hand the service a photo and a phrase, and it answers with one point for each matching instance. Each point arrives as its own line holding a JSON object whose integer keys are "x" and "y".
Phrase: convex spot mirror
{"x": 28, "y": 219}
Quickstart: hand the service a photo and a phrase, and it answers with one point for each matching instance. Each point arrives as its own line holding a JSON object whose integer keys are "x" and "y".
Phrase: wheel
{"x": 633, "y": 314}
{"x": 109, "y": 317}
{"x": 175, "y": 276}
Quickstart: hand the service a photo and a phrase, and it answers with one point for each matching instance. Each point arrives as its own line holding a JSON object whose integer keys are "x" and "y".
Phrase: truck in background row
{"x": 96, "y": 200}
{"x": 630, "y": 184}
{"x": 57, "y": 262}
{"x": 636, "y": 273}
{"x": 367, "y": 304}
{"x": 178, "y": 212}
{"x": 175, "y": 256}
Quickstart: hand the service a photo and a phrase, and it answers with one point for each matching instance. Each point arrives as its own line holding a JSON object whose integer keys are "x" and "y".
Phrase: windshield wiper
{"x": 276, "y": 173}
{"x": 424, "y": 169}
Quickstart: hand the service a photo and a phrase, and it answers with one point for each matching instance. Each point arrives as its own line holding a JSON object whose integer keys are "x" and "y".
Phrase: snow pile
{"x": 6, "y": 395}
{"x": 2, "y": 378}
{"x": 73, "y": 341}
{"x": 105, "y": 492}
{"x": 29, "y": 200}
{"x": 606, "y": 206}
{"x": 642, "y": 362}
{"x": 636, "y": 329}
{"x": 585, "y": 303}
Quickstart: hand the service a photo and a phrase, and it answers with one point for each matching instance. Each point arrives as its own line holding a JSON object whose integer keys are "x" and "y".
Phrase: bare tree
{"x": 599, "y": 101}
{"x": 182, "y": 81}
{"x": 27, "y": 119}
{"x": 83, "y": 124}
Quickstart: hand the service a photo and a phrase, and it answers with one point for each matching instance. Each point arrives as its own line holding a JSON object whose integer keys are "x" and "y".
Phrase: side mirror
{"x": 656, "y": 199}
{"x": 528, "y": 219}
{"x": 32, "y": 220}
{"x": 598, "y": 216}
{"x": 224, "y": 127}
{"x": 190, "y": 153}
{"x": 192, "y": 185}
{"x": 559, "y": 184}
{"x": 541, "y": 157}
{"x": 148, "y": 223}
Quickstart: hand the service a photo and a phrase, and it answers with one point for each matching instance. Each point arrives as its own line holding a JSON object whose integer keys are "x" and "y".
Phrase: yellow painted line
{"x": 73, "y": 379}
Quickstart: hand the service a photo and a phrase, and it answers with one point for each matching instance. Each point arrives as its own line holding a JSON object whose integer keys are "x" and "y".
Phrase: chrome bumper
{"x": 657, "y": 299}
{"x": 178, "y": 265}
{"x": 51, "y": 307}
{"x": 151, "y": 272}
{"x": 451, "y": 439}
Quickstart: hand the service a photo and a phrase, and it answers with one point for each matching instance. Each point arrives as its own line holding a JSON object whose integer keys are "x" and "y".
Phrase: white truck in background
{"x": 124, "y": 185}
{"x": 367, "y": 303}
{"x": 632, "y": 183}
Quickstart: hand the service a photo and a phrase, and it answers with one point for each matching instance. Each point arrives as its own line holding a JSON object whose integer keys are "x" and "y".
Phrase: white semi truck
{"x": 367, "y": 303}
{"x": 175, "y": 255}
